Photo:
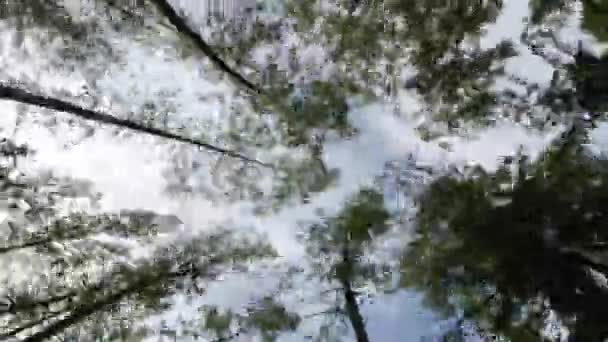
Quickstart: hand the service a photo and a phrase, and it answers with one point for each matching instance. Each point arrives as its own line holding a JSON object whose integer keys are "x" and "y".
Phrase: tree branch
{"x": 324, "y": 312}
{"x": 28, "y": 244}
{"x": 182, "y": 27}
{"x": 19, "y": 307}
{"x": 23, "y": 96}
{"x": 81, "y": 313}
{"x": 582, "y": 259}
{"x": 30, "y": 325}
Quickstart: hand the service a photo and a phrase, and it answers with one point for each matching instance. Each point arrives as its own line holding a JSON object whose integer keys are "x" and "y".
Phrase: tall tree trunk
{"x": 352, "y": 308}
{"x": 22, "y": 96}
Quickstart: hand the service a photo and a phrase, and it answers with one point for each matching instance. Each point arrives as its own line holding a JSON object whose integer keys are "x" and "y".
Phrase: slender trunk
{"x": 181, "y": 26}
{"x": 352, "y": 308}
{"x": 22, "y": 96}
{"x": 354, "y": 314}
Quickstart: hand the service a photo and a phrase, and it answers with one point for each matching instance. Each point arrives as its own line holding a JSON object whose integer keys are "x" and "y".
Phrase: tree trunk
{"x": 352, "y": 308}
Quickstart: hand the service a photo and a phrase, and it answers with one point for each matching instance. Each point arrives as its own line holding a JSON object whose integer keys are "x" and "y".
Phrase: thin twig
{"x": 23, "y": 96}
{"x": 324, "y": 312}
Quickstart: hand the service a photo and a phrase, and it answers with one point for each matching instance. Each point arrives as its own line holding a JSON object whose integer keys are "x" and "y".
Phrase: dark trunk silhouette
{"x": 182, "y": 27}
{"x": 22, "y": 96}
{"x": 350, "y": 297}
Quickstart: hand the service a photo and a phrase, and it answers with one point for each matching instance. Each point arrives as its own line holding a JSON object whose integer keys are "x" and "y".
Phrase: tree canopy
{"x": 262, "y": 114}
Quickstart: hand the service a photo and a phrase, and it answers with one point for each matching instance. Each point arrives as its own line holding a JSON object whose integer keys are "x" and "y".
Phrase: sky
{"x": 129, "y": 170}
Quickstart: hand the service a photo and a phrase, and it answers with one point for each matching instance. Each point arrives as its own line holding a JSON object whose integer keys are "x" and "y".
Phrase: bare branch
{"x": 23, "y": 96}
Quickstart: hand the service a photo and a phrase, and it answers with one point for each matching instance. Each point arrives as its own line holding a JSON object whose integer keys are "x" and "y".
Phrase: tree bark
{"x": 182, "y": 27}
{"x": 352, "y": 308}
{"x": 22, "y": 96}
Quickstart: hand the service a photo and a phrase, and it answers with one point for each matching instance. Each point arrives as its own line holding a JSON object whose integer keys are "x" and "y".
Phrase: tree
{"x": 340, "y": 248}
{"x": 519, "y": 251}
{"x": 284, "y": 107}
{"x": 82, "y": 280}
{"x": 594, "y": 19}
{"x": 506, "y": 253}
{"x": 267, "y": 317}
